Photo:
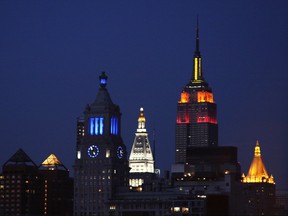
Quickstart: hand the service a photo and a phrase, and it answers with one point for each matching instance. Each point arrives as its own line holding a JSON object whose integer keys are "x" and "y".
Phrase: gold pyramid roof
{"x": 52, "y": 163}
{"x": 51, "y": 160}
{"x": 257, "y": 171}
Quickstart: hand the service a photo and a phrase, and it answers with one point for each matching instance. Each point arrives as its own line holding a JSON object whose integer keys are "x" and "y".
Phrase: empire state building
{"x": 196, "y": 122}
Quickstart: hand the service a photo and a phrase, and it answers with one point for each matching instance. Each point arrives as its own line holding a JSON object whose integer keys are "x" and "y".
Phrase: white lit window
{"x": 107, "y": 153}
{"x": 78, "y": 154}
{"x": 176, "y": 209}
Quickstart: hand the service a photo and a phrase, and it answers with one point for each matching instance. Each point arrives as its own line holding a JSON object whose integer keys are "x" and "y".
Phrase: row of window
{"x": 96, "y": 125}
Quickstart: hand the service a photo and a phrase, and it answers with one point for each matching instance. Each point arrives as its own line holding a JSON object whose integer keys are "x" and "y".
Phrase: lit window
{"x": 185, "y": 210}
{"x": 176, "y": 209}
{"x": 78, "y": 154}
{"x": 107, "y": 153}
{"x": 112, "y": 207}
{"x": 96, "y": 126}
{"x": 114, "y": 125}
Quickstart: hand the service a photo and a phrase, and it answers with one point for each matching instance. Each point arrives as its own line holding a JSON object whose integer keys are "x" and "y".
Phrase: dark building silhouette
{"x": 101, "y": 165}
{"x": 196, "y": 123}
{"x": 20, "y": 186}
{"x": 57, "y": 193}
{"x": 26, "y": 189}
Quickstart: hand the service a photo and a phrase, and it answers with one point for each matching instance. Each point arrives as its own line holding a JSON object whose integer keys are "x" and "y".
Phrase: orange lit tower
{"x": 258, "y": 188}
{"x": 196, "y": 123}
{"x": 257, "y": 171}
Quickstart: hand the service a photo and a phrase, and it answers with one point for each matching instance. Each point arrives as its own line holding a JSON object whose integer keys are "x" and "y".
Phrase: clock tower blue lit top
{"x": 101, "y": 156}
{"x": 103, "y": 123}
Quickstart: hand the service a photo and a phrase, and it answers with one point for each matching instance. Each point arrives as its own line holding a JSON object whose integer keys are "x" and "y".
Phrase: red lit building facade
{"x": 196, "y": 123}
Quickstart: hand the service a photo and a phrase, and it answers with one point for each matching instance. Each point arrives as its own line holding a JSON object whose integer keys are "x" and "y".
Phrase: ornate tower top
{"x": 257, "y": 151}
{"x": 141, "y": 156}
{"x": 257, "y": 172}
{"x": 141, "y": 121}
{"x": 103, "y": 97}
{"x": 103, "y": 80}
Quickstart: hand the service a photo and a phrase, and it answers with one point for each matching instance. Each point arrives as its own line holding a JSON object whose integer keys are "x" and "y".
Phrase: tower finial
{"x": 197, "y": 73}
{"x": 257, "y": 151}
{"x": 103, "y": 80}
{"x": 141, "y": 121}
{"x": 197, "y": 38}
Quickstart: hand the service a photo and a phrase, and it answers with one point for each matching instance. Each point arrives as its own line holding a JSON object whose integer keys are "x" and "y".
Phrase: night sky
{"x": 52, "y": 53}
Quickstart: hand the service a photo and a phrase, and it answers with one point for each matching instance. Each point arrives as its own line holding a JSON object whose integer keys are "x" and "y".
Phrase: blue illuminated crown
{"x": 103, "y": 80}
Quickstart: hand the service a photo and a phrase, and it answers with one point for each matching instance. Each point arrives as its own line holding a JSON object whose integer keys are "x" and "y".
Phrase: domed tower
{"x": 196, "y": 122}
{"x": 101, "y": 165}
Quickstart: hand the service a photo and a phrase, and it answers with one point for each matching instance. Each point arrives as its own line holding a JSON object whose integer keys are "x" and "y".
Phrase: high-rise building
{"x": 101, "y": 165}
{"x": 20, "y": 186}
{"x": 196, "y": 123}
{"x": 141, "y": 159}
{"x": 203, "y": 168}
{"x": 258, "y": 188}
{"x": 28, "y": 189}
{"x": 57, "y": 189}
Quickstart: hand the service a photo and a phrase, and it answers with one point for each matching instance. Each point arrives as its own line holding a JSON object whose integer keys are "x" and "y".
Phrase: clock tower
{"x": 101, "y": 165}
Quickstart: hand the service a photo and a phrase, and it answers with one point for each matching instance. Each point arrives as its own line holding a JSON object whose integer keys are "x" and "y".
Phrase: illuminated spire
{"x": 141, "y": 156}
{"x": 103, "y": 97}
{"x": 103, "y": 80}
{"x": 141, "y": 121}
{"x": 257, "y": 151}
{"x": 257, "y": 172}
{"x": 197, "y": 50}
{"x": 197, "y": 73}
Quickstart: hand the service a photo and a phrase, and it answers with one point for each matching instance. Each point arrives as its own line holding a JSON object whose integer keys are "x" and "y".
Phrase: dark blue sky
{"x": 52, "y": 52}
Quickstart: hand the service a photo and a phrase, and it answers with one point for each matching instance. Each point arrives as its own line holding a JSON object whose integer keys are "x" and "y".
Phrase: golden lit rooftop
{"x": 51, "y": 160}
{"x": 52, "y": 163}
{"x": 257, "y": 172}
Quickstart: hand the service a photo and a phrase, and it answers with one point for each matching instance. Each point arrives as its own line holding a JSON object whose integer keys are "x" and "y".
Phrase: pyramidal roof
{"x": 141, "y": 153}
{"x": 20, "y": 157}
{"x": 52, "y": 162}
{"x": 103, "y": 96}
{"x": 257, "y": 171}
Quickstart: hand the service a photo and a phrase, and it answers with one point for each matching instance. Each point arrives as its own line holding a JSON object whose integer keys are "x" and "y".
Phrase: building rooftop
{"x": 20, "y": 157}
{"x": 257, "y": 172}
{"x": 52, "y": 162}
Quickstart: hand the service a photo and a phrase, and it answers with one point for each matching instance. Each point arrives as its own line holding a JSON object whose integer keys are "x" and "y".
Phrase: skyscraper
{"x": 141, "y": 159}
{"x": 101, "y": 165}
{"x": 20, "y": 186}
{"x": 57, "y": 192}
{"x": 196, "y": 123}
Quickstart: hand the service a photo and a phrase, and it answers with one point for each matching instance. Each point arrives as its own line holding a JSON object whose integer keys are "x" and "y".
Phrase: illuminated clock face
{"x": 93, "y": 151}
{"x": 120, "y": 152}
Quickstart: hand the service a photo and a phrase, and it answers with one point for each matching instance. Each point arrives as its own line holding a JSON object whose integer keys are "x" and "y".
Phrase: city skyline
{"x": 52, "y": 54}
